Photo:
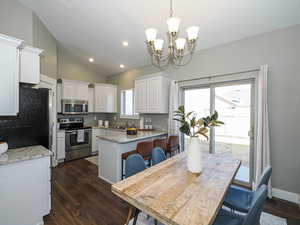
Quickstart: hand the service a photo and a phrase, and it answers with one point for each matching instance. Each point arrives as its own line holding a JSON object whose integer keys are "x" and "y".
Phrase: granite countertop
{"x": 122, "y": 138}
{"x": 23, "y": 154}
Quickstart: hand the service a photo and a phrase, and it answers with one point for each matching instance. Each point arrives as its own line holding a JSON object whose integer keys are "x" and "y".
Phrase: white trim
{"x": 219, "y": 79}
{"x": 159, "y": 74}
{"x": 48, "y": 80}
{"x": 105, "y": 179}
{"x": 285, "y": 195}
{"x": 31, "y": 49}
{"x": 12, "y": 41}
{"x": 50, "y": 83}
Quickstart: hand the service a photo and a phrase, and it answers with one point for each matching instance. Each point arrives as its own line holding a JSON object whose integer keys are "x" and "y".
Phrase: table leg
{"x": 129, "y": 215}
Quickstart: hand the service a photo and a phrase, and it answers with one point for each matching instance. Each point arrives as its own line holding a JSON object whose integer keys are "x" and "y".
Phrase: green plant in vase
{"x": 193, "y": 127}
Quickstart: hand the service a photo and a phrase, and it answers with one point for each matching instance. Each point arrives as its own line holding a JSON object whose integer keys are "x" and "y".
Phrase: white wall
{"x": 70, "y": 67}
{"x": 281, "y": 50}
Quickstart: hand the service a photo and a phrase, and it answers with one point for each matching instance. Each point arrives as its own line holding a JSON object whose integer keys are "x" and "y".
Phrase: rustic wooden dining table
{"x": 173, "y": 195}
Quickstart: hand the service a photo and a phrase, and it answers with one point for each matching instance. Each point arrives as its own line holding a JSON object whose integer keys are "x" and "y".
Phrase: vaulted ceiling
{"x": 96, "y": 28}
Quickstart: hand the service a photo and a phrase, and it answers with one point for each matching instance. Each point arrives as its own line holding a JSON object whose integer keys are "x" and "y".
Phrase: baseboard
{"x": 108, "y": 181}
{"x": 285, "y": 195}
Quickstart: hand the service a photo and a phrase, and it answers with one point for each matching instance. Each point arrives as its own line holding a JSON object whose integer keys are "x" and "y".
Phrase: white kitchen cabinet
{"x": 95, "y": 133}
{"x": 140, "y": 91}
{"x": 9, "y": 73}
{"x": 30, "y": 65}
{"x": 152, "y": 94}
{"x": 91, "y": 100}
{"x": 105, "y": 98}
{"x": 75, "y": 90}
{"x": 25, "y": 192}
{"x": 60, "y": 146}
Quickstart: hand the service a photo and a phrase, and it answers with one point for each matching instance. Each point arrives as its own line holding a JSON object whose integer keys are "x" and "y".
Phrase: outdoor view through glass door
{"x": 233, "y": 101}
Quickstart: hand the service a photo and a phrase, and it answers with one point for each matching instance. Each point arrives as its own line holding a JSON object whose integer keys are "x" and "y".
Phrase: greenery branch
{"x": 194, "y": 127}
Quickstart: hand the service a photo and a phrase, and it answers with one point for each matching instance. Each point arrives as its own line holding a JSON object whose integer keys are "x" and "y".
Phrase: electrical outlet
{"x": 95, "y": 117}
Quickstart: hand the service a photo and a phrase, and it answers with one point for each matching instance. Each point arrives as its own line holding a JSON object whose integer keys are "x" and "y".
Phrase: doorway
{"x": 234, "y": 103}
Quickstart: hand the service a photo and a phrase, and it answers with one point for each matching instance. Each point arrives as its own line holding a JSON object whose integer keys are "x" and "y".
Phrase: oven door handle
{"x": 71, "y": 132}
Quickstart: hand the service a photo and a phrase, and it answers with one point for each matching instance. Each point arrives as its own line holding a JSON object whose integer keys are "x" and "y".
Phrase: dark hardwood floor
{"x": 79, "y": 197}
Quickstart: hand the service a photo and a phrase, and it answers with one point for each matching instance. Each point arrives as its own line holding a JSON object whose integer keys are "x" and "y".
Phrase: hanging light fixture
{"x": 180, "y": 50}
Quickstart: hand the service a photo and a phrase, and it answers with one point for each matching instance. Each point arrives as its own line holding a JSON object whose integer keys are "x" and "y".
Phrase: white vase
{"x": 194, "y": 155}
{"x": 3, "y": 147}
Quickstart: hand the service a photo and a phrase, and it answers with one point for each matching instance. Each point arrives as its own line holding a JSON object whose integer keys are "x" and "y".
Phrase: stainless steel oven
{"x": 78, "y": 139}
{"x": 76, "y": 148}
{"x": 74, "y": 106}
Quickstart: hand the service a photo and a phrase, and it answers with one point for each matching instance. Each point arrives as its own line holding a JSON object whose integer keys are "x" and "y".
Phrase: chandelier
{"x": 180, "y": 50}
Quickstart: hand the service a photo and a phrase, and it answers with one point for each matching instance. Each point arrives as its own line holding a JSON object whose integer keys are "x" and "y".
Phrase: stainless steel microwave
{"x": 74, "y": 106}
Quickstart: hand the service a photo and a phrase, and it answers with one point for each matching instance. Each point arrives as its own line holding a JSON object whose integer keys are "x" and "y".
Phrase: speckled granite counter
{"x": 23, "y": 154}
{"x": 122, "y": 138}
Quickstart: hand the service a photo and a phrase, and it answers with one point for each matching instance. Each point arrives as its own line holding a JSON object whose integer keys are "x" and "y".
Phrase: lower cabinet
{"x": 60, "y": 146}
{"x": 94, "y": 140}
{"x": 25, "y": 192}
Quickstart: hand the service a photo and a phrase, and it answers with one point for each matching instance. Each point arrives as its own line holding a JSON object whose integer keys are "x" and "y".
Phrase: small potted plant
{"x": 193, "y": 127}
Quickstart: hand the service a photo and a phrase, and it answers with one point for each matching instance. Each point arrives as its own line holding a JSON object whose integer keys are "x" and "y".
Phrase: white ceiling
{"x": 96, "y": 28}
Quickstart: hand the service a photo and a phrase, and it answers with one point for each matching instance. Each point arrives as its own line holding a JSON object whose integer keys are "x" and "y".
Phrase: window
{"x": 127, "y": 104}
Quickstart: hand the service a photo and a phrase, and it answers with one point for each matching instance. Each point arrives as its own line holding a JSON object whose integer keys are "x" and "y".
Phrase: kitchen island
{"x": 112, "y": 144}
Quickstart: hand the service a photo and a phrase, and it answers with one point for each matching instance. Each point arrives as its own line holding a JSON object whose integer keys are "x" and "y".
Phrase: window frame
{"x": 124, "y": 116}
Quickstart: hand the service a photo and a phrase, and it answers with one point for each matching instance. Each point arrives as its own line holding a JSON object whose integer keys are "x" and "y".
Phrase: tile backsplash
{"x": 158, "y": 121}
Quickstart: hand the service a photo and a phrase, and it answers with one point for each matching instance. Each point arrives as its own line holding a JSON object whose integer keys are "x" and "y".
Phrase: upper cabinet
{"x": 105, "y": 97}
{"x": 30, "y": 65}
{"x": 152, "y": 94}
{"x": 9, "y": 73}
{"x": 74, "y": 90}
{"x": 91, "y": 100}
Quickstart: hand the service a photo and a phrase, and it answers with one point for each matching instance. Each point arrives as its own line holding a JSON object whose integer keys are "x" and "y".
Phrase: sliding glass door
{"x": 234, "y": 103}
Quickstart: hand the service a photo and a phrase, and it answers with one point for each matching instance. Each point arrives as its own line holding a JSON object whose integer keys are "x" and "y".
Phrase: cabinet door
{"x": 68, "y": 90}
{"x": 105, "y": 99}
{"x": 95, "y": 133}
{"x": 30, "y": 65}
{"x": 82, "y": 91}
{"x": 25, "y": 188}
{"x": 60, "y": 152}
{"x": 99, "y": 99}
{"x": 91, "y": 100}
{"x": 140, "y": 95}
{"x": 154, "y": 95}
{"x": 111, "y": 99}
{"x": 9, "y": 85}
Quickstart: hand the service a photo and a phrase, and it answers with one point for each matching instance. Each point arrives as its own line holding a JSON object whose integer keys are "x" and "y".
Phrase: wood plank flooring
{"x": 79, "y": 197}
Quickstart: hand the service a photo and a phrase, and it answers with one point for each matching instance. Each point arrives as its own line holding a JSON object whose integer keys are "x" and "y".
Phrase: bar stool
{"x": 173, "y": 145}
{"x": 143, "y": 148}
{"x": 161, "y": 143}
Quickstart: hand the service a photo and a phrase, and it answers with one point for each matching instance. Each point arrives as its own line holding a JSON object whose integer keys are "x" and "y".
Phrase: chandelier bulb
{"x": 151, "y": 34}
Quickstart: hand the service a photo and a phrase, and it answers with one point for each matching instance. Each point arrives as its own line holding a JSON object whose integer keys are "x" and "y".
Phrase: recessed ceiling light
{"x": 125, "y": 43}
{"x": 91, "y": 59}
{"x": 122, "y": 66}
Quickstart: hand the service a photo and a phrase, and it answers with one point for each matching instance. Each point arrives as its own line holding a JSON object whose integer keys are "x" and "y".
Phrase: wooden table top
{"x": 172, "y": 195}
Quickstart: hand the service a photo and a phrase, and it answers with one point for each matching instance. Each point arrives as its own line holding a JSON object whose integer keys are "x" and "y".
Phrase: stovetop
{"x": 72, "y": 124}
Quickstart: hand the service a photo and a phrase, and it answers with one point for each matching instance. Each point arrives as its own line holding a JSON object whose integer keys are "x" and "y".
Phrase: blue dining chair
{"x": 225, "y": 217}
{"x": 240, "y": 199}
{"x": 158, "y": 156}
{"x": 134, "y": 164}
